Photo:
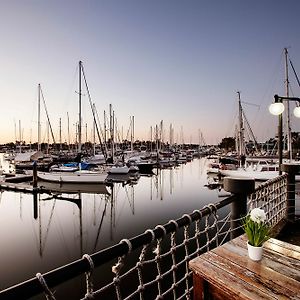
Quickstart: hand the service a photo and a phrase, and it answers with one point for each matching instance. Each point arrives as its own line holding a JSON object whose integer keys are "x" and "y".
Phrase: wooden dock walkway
{"x": 227, "y": 272}
{"x": 17, "y": 187}
{"x": 19, "y": 178}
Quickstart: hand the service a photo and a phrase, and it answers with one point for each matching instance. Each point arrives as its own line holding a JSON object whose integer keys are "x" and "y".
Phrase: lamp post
{"x": 277, "y": 109}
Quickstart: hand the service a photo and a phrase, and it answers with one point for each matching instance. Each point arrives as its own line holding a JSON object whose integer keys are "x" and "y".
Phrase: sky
{"x": 180, "y": 62}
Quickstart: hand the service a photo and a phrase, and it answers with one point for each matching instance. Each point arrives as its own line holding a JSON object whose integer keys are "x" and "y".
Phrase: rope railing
{"x": 272, "y": 197}
{"x": 157, "y": 259}
{"x": 57, "y": 276}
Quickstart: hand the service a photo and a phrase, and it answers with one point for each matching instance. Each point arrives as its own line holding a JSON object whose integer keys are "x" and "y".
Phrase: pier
{"x": 18, "y": 187}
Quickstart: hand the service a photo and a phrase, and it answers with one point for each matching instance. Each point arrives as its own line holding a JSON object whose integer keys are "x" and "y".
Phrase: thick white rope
{"x": 88, "y": 276}
{"x": 49, "y": 295}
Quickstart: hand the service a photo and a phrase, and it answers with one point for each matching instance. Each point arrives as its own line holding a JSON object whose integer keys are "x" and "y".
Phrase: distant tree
{"x": 227, "y": 143}
{"x": 10, "y": 145}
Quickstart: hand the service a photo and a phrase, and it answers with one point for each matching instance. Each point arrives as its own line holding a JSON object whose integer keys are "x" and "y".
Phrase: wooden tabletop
{"x": 228, "y": 273}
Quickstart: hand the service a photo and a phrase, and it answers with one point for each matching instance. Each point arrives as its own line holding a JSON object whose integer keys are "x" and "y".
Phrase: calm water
{"x": 62, "y": 230}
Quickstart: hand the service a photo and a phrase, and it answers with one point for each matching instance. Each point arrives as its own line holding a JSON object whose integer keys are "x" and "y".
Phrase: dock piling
{"x": 34, "y": 175}
{"x": 241, "y": 188}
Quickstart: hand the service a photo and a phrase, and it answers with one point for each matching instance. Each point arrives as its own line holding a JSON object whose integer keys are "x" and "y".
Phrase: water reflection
{"x": 71, "y": 188}
{"x": 44, "y": 231}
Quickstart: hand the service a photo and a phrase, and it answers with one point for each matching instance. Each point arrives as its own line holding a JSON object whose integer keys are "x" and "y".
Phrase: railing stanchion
{"x": 34, "y": 175}
{"x": 291, "y": 170}
{"x": 240, "y": 187}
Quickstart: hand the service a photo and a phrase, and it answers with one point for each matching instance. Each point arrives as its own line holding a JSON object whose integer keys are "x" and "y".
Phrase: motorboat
{"x": 262, "y": 170}
{"x": 118, "y": 169}
{"x": 144, "y": 165}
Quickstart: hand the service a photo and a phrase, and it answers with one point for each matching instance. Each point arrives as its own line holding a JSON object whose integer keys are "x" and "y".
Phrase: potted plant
{"x": 257, "y": 230}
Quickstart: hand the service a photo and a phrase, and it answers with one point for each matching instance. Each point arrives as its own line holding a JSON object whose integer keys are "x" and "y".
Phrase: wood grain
{"x": 226, "y": 272}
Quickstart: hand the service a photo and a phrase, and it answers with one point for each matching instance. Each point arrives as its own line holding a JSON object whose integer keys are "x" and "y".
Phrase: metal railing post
{"x": 240, "y": 187}
{"x": 34, "y": 175}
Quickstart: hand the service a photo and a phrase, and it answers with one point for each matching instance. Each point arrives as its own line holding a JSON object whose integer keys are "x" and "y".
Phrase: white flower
{"x": 257, "y": 215}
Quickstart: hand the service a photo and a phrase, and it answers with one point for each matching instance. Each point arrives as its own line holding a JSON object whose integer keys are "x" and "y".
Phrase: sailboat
{"x": 260, "y": 170}
{"x": 254, "y": 167}
{"x": 80, "y": 176}
{"x": 263, "y": 169}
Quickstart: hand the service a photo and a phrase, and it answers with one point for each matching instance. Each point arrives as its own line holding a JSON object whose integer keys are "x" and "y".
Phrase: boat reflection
{"x": 58, "y": 226}
{"x": 47, "y": 219}
{"x": 71, "y": 188}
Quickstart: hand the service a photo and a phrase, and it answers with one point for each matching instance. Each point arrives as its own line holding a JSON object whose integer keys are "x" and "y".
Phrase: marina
{"x": 69, "y": 220}
{"x": 149, "y": 150}
{"x": 57, "y": 224}
{"x": 218, "y": 224}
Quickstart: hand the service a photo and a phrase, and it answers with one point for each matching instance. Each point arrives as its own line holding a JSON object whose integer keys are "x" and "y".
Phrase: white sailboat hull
{"x": 257, "y": 175}
{"x": 76, "y": 177}
{"x": 118, "y": 170}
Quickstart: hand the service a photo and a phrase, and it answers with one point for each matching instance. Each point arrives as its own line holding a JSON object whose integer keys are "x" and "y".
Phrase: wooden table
{"x": 228, "y": 273}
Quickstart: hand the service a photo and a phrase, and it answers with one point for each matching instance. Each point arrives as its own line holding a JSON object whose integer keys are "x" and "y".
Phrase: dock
{"x": 18, "y": 187}
{"x": 19, "y": 178}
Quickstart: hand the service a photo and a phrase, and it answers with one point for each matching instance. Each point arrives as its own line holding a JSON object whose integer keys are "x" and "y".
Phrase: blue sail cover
{"x": 84, "y": 166}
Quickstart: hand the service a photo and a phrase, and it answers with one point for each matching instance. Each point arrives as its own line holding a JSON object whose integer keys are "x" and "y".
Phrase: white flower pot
{"x": 255, "y": 253}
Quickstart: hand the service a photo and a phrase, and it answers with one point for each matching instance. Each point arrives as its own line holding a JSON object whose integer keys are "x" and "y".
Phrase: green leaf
{"x": 257, "y": 233}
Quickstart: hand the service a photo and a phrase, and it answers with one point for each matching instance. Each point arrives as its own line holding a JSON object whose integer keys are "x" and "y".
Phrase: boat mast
{"x": 68, "y": 130}
{"x": 48, "y": 140}
{"x": 20, "y": 136}
{"x": 39, "y": 117}
{"x": 171, "y": 135}
{"x": 60, "y": 141}
{"x": 241, "y": 143}
{"x": 46, "y": 111}
{"x": 288, "y": 124}
{"x": 132, "y": 134}
{"x": 86, "y": 134}
{"x": 79, "y": 121}
{"x": 156, "y": 138}
{"x": 151, "y": 134}
{"x": 104, "y": 125}
{"x": 94, "y": 133}
{"x": 111, "y": 129}
{"x": 161, "y": 135}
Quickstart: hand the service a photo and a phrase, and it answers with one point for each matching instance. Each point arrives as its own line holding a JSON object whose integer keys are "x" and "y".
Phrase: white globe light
{"x": 276, "y": 108}
{"x": 297, "y": 111}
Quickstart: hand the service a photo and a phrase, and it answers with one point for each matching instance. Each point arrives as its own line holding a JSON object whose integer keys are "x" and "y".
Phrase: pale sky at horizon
{"x": 177, "y": 61}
